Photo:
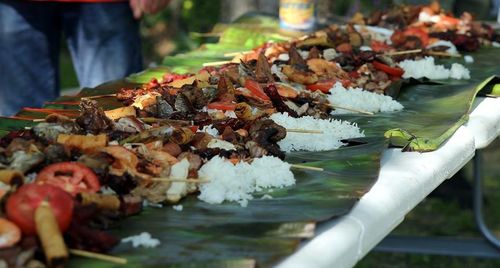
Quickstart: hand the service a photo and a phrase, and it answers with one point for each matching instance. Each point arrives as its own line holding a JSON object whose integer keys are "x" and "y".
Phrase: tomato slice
{"x": 10, "y": 234}
{"x": 225, "y": 106}
{"x": 394, "y": 71}
{"x": 256, "y": 89}
{"x": 72, "y": 177}
{"x": 22, "y": 204}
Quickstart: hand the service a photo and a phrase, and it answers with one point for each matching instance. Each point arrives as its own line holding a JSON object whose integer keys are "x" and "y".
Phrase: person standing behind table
{"x": 102, "y": 36}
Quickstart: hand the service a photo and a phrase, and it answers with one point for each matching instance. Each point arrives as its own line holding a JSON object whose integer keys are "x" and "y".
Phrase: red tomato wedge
{"x": 22, "y": 204}
{"x": 256, "y": 89}
{"x": 72, "y": 177}
{"x": 225, "y": 106}
{"x": 10, "y": 234}
{"x": 394, "y": 71}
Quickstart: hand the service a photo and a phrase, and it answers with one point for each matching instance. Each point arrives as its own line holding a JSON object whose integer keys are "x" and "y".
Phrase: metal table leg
{"x": 478, "y": 201}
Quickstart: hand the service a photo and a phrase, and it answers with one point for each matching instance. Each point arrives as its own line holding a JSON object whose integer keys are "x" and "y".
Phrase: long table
{"x": 405, "y": 179}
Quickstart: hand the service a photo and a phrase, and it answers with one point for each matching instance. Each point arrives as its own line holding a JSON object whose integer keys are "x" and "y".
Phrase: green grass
{"x": 438, "y": 217}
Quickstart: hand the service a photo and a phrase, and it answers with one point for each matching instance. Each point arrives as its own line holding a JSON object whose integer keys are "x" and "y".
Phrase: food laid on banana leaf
{"x": 67, "y": 179}
{"x": 220, "y": 134}
{"x": 420, "y": 26}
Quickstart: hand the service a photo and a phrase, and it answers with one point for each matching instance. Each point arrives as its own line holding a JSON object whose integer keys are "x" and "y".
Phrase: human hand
{"x": 142, "y": 7}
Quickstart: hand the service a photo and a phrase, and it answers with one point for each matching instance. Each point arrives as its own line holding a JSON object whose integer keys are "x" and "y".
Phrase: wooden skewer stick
{"x": 216, "y": 63}
{"x": 350, "y": 109}
{"x": 297, "y": 130}
{"x": 403, "y": 52}
{"x": 232, "y": 54}
{"x": 98, "y": 256}
{"x": 189, "y": 180}
{"x": 44, "y": 119}
{"x": 99, "y": 96}
{"x": 491, "y": 95}
{"x": 306, "y": 167}
{"x": 444, "y": 54}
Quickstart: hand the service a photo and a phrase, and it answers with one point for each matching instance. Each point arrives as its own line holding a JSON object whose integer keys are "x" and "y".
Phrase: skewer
{"x": 100, "y": 96}
{"x": 216, "y": 63}
{"x": 44, "y": 119}
{"x": 444, "y": 54}
{"x": 98, "y": 256}
{"x": 297, "y": 130}
{"x": 491, "y": 95}
{"x": 189, "y": 180}
{"x": 307, "y": 167}
{"x": 403, "y": 52}
{"x": 232, "y": 54}
{"x": 350, "y": 109}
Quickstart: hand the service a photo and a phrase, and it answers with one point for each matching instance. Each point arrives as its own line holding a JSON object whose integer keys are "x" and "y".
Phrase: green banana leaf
{"x": 266, "y": 231}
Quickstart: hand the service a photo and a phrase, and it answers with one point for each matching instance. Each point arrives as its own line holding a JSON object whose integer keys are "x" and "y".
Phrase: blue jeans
{"x": 103, "y": 40}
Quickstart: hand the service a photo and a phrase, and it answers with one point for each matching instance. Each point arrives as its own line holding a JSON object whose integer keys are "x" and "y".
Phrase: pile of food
{"x": 220, "y": 134}
{"x": 420, "y": 26}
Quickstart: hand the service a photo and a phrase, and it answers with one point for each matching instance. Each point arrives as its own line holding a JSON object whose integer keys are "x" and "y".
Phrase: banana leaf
{"x": 266, "y": 231}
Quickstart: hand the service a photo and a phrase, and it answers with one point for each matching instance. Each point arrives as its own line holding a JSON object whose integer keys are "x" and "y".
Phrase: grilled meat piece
{"x": 278, "y": 102}
{"x": 92, "y": 118}
{"x": 266, "y": 133}
{"x": 263, "y": 70}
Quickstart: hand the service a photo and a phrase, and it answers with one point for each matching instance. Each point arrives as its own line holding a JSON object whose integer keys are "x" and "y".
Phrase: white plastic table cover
{"x": 405, "y": 179}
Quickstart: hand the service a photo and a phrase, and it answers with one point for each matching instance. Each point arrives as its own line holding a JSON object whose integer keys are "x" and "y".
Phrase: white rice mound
{"x": 360, "y": 99}
{"x": 143, "y": 239}
{"x": 333, "y": 131}
{"x": 427, "y": 68}
{"x": 236, "y": 183}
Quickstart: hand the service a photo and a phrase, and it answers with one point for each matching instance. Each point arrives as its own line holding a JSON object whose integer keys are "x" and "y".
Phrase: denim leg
{"x": 104, "y": 41}
{"x": 29, "y": 45}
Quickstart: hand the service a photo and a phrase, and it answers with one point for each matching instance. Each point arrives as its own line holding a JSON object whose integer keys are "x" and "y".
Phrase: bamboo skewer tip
{"x": 297, "y": 166}
{"x": 188, "y": 180}
{"x": 297, "y": 130}
{"x": 216, "y": 63}
{"x": 351, "y": 109}
{"x": 403, "y": 52}
{"x": 98, "y": 256}
{"x": 232, "y": 54}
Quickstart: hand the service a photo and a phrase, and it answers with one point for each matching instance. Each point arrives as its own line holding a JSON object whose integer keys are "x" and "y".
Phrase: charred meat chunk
{"x": 92, "y": 118}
